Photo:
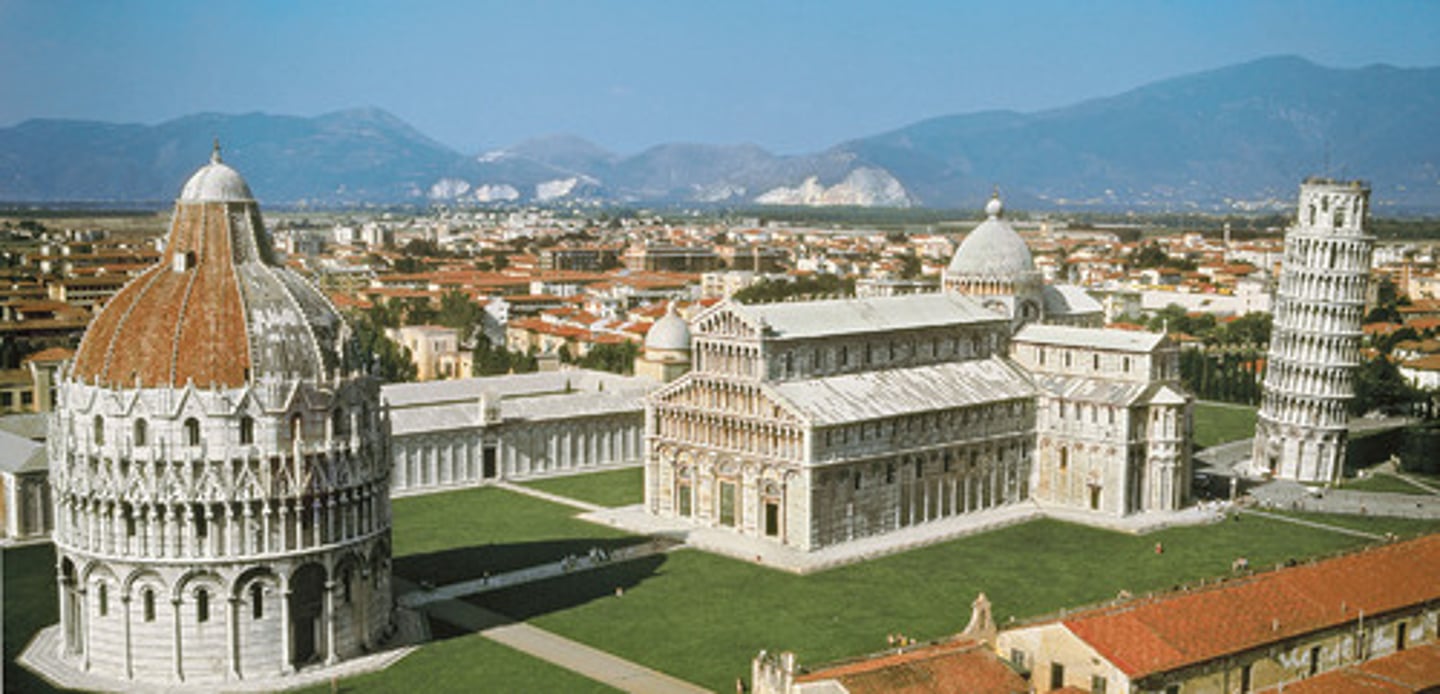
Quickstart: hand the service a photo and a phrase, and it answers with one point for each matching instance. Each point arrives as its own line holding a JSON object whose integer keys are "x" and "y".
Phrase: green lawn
{"x": 611, "y": 488}
{"x": 1379, "y": 525}
{"x": 443, "y": 538}
{"x": 1383, "y": 483}
{"x": 1218, "y": 423}
{"x": 702, "y": 617}
{"x": 30, "y": 603}
{"x": 470, "y": 663}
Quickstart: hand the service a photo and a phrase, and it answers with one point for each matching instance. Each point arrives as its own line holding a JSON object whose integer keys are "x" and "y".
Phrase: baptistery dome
{"x": 220, "y": 468}
{"x": 218, "y": 311}
{"x": 671, "y": 332}
{"x": 992, "y": 249}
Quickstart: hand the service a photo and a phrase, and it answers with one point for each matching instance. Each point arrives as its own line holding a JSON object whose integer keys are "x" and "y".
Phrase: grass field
{"x": 30, "y": 603}
{"x": 443, "y": 538}
{"x": 470, "y": 663}
{"x": 1382, "y": 483}
{"x": 702, "y": 617}
{"x": 1217, "y": 423}
{"x": 611, "y": 488}
{"x": 1379, "y": 525}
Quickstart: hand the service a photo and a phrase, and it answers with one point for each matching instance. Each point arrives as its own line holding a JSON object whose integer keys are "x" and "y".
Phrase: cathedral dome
{"x": 218, "y": 311}
{"x": 216, "y": 182}
{"x": 670, "y": 332}
{"x": 992, "y": 250}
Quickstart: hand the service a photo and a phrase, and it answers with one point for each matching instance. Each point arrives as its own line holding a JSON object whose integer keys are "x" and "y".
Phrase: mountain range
{"x": 1240, "y": 137}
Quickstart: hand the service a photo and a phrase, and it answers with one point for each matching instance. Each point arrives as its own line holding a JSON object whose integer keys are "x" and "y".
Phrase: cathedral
{"x": 815, "y": 423}
{"x": 219, "y": 466}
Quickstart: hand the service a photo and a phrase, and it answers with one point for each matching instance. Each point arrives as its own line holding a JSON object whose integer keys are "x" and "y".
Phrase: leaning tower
{"x": 218, "y": 460}
{"x": 1315, "y": 344}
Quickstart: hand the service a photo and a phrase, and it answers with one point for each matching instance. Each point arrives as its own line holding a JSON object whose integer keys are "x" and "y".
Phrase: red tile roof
{"x": 957, "y": 666}
{"x": 1411, "y": 670}
{"x": 1161, "y": 634}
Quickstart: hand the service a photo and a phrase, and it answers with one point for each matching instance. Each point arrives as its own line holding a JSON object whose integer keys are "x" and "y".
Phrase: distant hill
{"x": 1241, "y": 137}
{"x": 1242, "y": 134}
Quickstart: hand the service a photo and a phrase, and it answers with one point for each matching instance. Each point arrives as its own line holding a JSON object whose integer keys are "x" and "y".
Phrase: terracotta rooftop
{"x": 1406, "y": 672}
{"x": 217, "y": 310}
{"x": 1164, "y": 633}
{"x": 956, "y": 666}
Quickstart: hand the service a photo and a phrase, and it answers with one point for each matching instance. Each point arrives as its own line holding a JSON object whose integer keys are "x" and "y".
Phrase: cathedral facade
{"x": 219, "y": 466}
{"x": 816, "y": 423}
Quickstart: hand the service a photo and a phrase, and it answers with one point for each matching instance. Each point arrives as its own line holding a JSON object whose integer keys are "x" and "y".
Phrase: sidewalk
{"x": 571, "y": 655}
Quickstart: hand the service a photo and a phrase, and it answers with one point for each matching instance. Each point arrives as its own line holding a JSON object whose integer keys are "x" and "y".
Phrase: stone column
{"x": 286, "y": 638}
{"x": 129, "y": 655}
{"x": 331, "y": 655}
{"x": 232, "y": 636}
{"x": 176, "y": 651}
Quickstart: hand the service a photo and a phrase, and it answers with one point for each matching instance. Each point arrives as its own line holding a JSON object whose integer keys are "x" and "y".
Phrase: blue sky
{"x": 790, "y": 76}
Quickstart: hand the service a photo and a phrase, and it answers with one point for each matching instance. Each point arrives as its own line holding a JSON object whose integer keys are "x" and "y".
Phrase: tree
{"x": 1379, "y": 386}
{"x": 613, "y": 357}
{"x": 459, "y": 312}
{"x": 388, "y": 361}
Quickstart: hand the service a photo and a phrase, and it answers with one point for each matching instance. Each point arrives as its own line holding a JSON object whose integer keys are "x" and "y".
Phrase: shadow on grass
{"x": 530, "y": 600}
{"x": 466, "y": 563}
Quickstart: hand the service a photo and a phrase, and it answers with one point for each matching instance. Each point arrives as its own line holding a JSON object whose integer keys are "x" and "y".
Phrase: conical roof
{"x": 218, "y": 310}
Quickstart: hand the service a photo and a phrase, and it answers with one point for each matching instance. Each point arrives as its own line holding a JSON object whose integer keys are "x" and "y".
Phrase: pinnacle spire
{"x": 215, "y": 153}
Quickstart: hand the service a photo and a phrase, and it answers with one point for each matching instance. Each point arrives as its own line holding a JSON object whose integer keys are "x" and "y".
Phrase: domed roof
{"x": 217, "y": 310}
{"x": 992, "y": 250}
{"x": 216, "y": 182}
{"x": 670, "y": 332}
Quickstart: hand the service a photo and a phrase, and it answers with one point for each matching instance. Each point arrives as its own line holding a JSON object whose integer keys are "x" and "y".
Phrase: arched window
{"x": 1064, "y": 457}
{"x": 139, "y": 435}
{"x": 103, "y": 595}
{"x": 202, "y": 605}
{"x": 147, "y": 597}
{"x": 339, "y": 424}
{"x": 192, "y": 432}
{"x": 257, "y": 600}
{"x": 247, "y": 430}
{"x": 99, "y": 430}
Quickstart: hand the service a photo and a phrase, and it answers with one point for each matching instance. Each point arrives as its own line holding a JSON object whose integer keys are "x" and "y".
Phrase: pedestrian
{"x": 1159, "y": 548}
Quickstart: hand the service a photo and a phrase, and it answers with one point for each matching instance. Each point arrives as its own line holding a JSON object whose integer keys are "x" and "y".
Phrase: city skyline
{"x": 790, "y": 78}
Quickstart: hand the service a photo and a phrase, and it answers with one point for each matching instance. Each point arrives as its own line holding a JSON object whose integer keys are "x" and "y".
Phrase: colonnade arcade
{"x": 225, "y": 621}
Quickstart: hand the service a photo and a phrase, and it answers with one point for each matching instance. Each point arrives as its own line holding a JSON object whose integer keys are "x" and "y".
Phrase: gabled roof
{"x": 957, "y": 666}
{"x": 19, "y": 454}
{"x": 892, "y": 392}
{"x": 805, "y": 319}
{"x": 1096, "y": 338}
{"x": 1162, "y": 634}
{"x": 1068, "y": 300}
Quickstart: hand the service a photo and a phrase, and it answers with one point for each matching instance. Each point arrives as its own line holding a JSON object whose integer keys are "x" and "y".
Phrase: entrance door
{"x": 727, "y": 504}
{"x": 772, "y": 519}
{"x": 1094, "y": 497}
{"x": 307, "y": 593}
{"x": 487, "y": 462}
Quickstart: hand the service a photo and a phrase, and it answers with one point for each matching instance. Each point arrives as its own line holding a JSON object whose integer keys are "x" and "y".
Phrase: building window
{"x": 1097, "y": 684}
{"x": 202, "y": 527}
{"x": 147, "y": 597}
{"x": 202, "y": 606}
{"x": 247, "y": 430}
{"x": 1125, "y": 364}
{"x": 99, "y": 430}
{"x": 1400, "y": 633}
{"x": 338, "y": 423}
{"x": 192, "y": 432}
{"x": 857, "y": 479}
{"x": 1097, "y": 362}
{"x": 1017, "y": 658}
{"x": 1314, "y": 660}
{"x": 257, "y": 601}
{"x": 139, "y": 434}
{"x": 1172, "y": 689}
{"x": 1067, "y": 360}
{"x": 1245, "y": 679}
{"x": 104, "y": 598}
{"x": 1057, "y": 675}
{"x": 890, "y": 473}
{"x": 128, "y": 513}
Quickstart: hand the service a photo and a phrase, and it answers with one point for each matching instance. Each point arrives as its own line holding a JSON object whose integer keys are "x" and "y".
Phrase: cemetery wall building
{"x": 219, "y": 465}
{"x": 817, "y": 423}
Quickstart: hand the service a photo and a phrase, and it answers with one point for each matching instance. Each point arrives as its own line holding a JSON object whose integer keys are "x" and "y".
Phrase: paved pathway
{"x": 552, "y": 498}
{"x": 1414, "y": 482}
{"x": 1315, "y": 524}
{"x": 571, "y": 655}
